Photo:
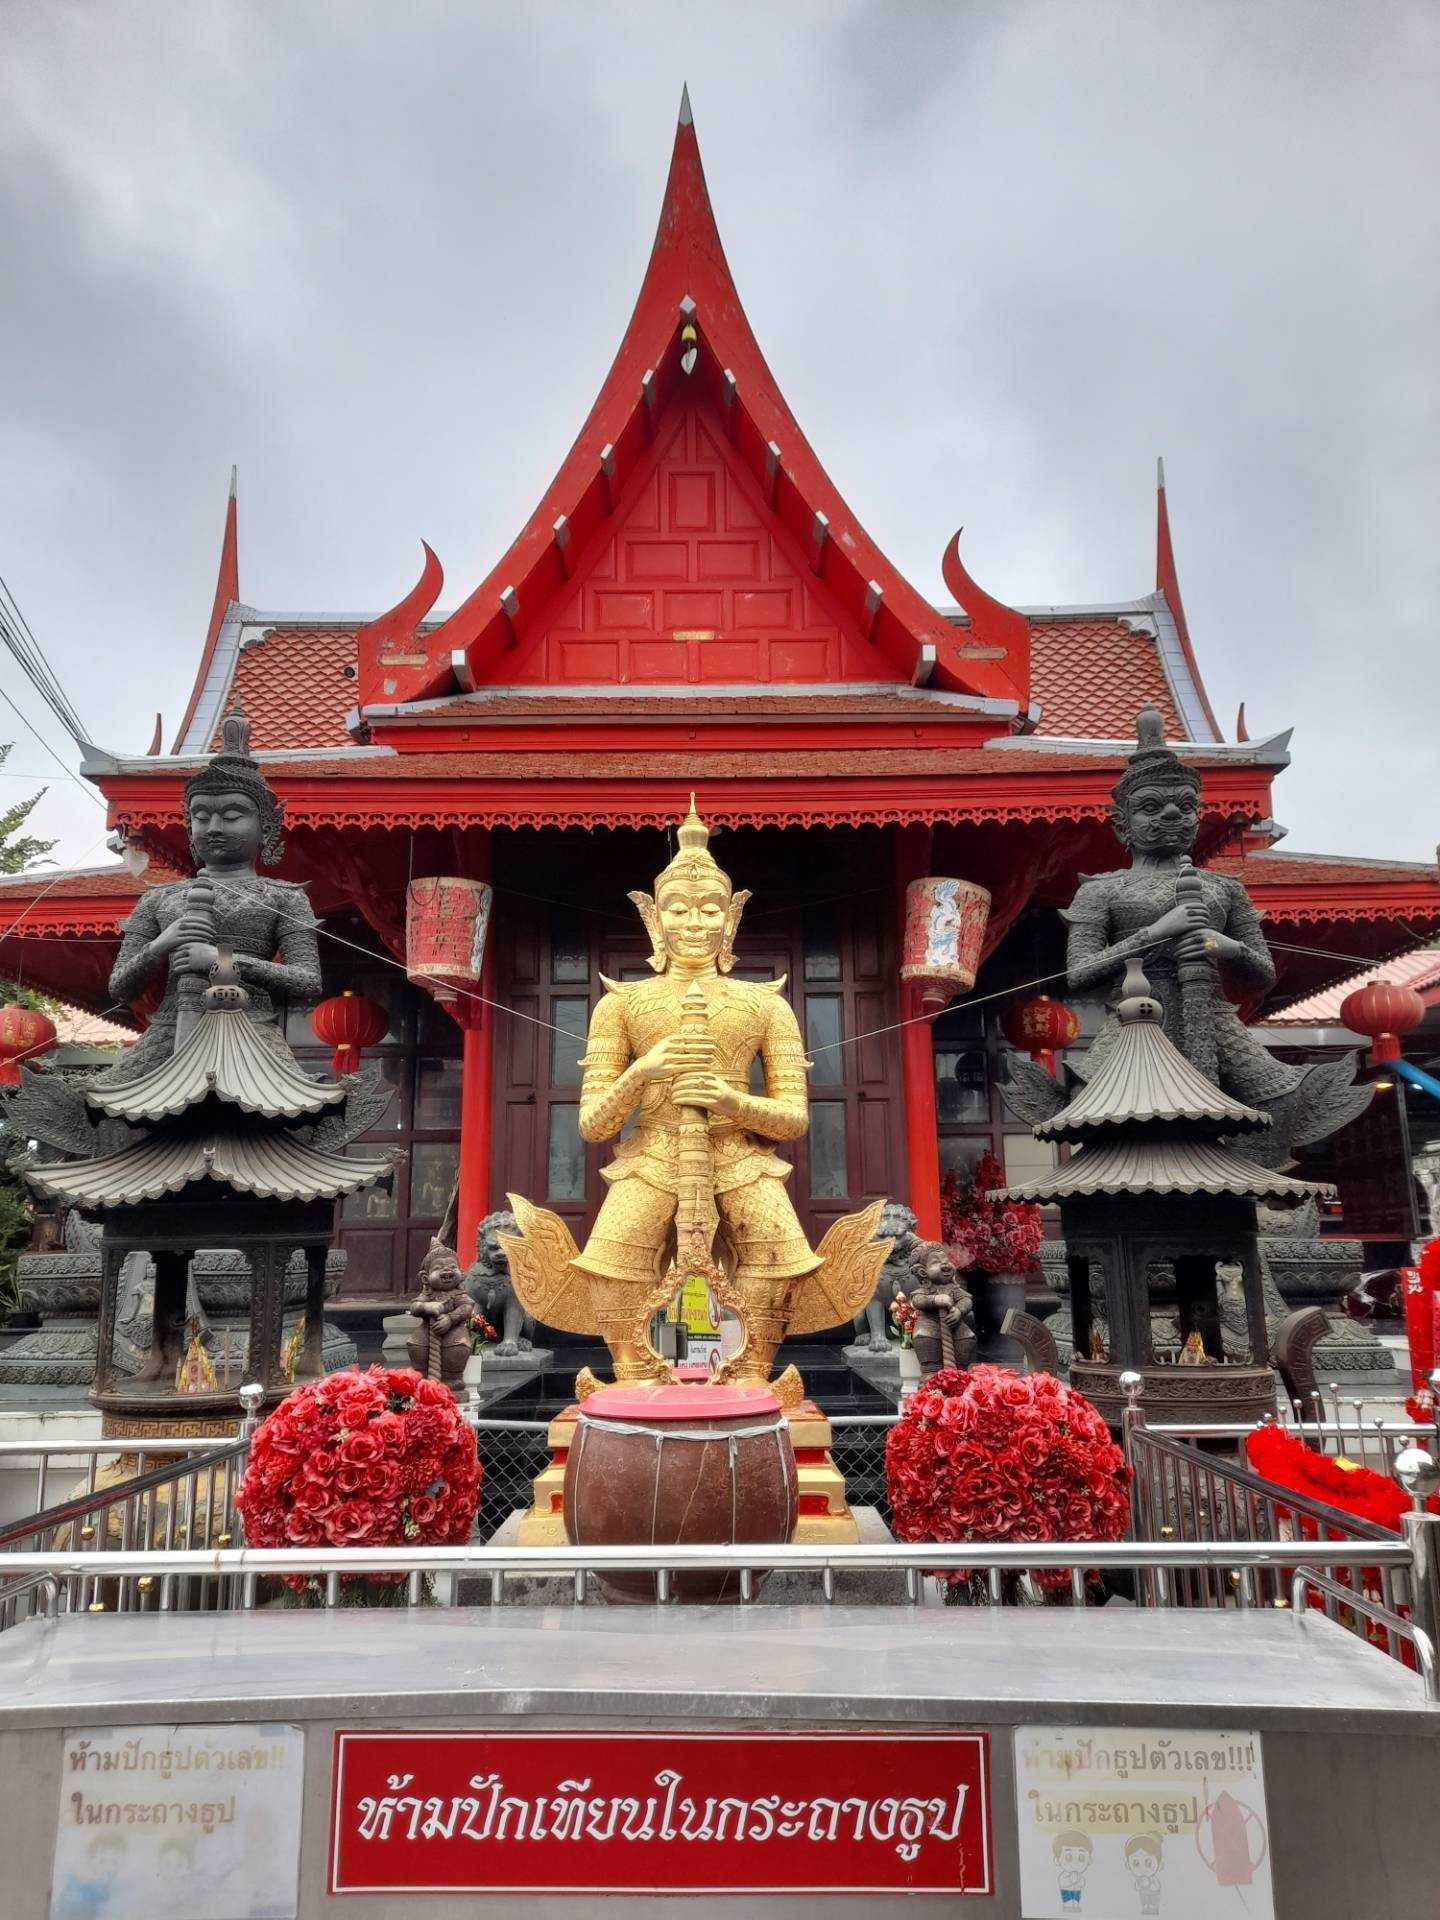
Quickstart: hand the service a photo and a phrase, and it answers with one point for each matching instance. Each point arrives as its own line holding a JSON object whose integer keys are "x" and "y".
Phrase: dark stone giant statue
{"x": 1204, "y": 950}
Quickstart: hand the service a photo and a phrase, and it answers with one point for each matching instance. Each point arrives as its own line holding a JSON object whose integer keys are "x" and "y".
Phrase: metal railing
{"x": 1205, "y": 1532}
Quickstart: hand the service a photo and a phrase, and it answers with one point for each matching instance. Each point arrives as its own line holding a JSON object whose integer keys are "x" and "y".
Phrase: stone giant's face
{"x": 692, "y": 917}
{"x": 1162, "y": 817}
{"x": 224, "y": 830}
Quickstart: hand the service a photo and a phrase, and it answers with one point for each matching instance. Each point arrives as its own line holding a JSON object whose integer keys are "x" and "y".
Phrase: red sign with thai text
{"x": 804, "y": 1812}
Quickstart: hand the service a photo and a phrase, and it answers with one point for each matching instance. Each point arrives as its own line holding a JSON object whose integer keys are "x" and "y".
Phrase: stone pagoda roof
{"x": 1148, "y": 1122}
{"x": 227, "y": 1107}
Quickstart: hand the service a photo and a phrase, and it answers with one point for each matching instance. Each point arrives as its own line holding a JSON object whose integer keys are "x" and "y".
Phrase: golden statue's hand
{"x": 705, "y": 1090}
{"x": 677, "y": 1053}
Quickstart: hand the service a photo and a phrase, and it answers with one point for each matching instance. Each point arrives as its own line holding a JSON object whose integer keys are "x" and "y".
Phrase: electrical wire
{"x": 34, "y": 663}
{"x": 68, "y": 772}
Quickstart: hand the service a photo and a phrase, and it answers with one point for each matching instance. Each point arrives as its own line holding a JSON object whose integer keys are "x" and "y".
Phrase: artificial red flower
{"x": 986, "y": 1235}
{"x": 987, "y": 1454}
{"x": 379, "y": 1458}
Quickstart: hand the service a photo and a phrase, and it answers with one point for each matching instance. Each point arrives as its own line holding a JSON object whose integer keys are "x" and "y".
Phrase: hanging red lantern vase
{"x": 944, "y": 931}
{"x": 1382, "y": 1012}
{"x": 24, "y": 1036}
{"x": 349, "y": 1023}
{"x": 447, "y": 921}
{"x": 1041, "y": 1027}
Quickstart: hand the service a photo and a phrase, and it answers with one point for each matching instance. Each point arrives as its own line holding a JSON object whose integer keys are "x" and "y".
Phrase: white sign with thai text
{"x": 179, "y": 1823}
{"x": 1116, "y": 1821}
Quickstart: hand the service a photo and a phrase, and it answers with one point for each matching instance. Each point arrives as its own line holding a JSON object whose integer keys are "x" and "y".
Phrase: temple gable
{"x": 695, "y": 581}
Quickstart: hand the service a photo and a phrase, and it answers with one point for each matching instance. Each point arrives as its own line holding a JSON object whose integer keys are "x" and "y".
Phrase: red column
{"x": 917, "y": 1058}
{"x": 477, "y": 1067}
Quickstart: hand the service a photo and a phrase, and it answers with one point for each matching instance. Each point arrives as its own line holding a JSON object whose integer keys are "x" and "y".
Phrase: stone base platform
{"x": 1351, "y": 1753}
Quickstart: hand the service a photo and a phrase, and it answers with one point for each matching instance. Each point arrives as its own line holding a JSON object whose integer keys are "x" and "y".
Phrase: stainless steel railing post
{"x": 1420, "y": 1477}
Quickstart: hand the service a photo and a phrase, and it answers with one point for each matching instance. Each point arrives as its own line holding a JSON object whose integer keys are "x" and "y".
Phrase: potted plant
{"x": 995, "y": 1243}
{"x": 902, "y": 1320}
{"x": 482, "y": 1335}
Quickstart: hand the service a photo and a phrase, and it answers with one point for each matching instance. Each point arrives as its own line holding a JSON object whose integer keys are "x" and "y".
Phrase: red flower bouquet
{"x": 987, "y": 1454}
{"x": 983, "y": 1234}
{"x": 373, "y": 1459}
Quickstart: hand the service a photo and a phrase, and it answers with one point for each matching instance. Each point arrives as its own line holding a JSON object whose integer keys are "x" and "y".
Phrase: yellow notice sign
{"x": 691, "y": 1308}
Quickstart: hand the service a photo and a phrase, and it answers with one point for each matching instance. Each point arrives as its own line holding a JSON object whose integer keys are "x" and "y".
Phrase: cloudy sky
{"x": 999, "y": 256}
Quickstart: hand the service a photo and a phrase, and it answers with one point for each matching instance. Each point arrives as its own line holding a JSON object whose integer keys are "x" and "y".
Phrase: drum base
{"x": 825, "y": 1518}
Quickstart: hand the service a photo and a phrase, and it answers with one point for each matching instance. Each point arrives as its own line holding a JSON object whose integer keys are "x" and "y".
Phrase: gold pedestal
{"x": 824, "y": 1519}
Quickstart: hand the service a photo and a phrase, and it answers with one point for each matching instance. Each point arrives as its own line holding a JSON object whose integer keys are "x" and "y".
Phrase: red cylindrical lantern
{"x": 348, "y": 1023}
{"x": 1041, "y": 1027}
{"x": 1382, "y": 1012}
{"x": 944, "y": 932}
{"x": 447, "y": 920}
{"x": 24, "y": 1036}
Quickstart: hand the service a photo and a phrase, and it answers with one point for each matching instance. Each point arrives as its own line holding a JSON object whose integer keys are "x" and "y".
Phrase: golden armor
{"x": 695, "y": 1185}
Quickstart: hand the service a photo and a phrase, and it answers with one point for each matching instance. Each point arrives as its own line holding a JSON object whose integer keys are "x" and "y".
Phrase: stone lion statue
{"x": 897, "y": 1224}
{"x": 489, "y": 1285}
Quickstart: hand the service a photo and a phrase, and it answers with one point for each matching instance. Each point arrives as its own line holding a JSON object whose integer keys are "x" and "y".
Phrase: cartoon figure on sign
{"x": 1230, "y": 1838}
{"x": 1073, "y": 1853}
{"x": 87, "y": 1894}
{"x": 1142, "y": 1863}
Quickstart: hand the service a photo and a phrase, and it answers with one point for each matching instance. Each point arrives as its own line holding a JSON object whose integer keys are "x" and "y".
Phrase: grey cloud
{"x": 998, "y": 255}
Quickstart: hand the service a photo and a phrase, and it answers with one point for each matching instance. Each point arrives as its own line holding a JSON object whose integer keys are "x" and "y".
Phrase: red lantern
{"x": 1041, "y": 1027}
{"x": 24, "y": 1036}
{"x": 447, "y": 921}
{"x": 944, "y": 932}
{"x": 347, "y": 1023}
{"x": 1382, "y": 1012}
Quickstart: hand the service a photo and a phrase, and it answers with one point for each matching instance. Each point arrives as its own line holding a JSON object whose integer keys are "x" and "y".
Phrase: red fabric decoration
{"x": 1041, "y": 1027}
{"x": 1285, "y": 1461}
{"x": 349, "y": 1023}
{"x": 1420, "y": 1298}
{"x": 984, "y": 1234}
{"x": 987, "y": 1454}
{"x": 24, "y": 1036}
{"x": 1382, "y": 1012}
{"x": 373, "y": 1459}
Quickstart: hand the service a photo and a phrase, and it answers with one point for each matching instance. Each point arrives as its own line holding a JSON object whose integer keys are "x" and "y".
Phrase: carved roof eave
{"x": 258, "y": 1163}
{"x": 224, "y": 1058}
{"x": 146, "y": 808}
{"x": 687, "y": 281}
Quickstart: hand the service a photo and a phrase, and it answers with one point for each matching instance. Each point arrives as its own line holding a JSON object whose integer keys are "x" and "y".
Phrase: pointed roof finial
{"x": 234, "y": 480}
{"x": 687, "y": 118}
{"x": 227, "y": 591}
{"x": 1167, "y": 581}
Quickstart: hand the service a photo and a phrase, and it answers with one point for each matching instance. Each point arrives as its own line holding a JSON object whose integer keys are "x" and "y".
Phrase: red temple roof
{"x": 742, "y": 524}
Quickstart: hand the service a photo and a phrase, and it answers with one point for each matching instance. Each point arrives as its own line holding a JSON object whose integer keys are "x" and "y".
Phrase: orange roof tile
{"x": 1092, "y": 676}
{"x": 295, "y": 686}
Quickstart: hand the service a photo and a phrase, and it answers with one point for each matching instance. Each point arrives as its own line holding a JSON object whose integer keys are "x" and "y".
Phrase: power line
{"x": 16, "y": 632}
{"x": 68, "y": 772}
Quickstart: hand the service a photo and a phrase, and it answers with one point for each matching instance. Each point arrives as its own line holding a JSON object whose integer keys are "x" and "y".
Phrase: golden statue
{"x": 695, "y": 1185}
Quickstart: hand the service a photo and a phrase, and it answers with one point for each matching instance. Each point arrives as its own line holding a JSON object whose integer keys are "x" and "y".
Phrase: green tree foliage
{"x": 16, "y": 854}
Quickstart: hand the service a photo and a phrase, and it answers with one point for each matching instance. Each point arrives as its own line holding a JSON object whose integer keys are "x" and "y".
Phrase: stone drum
{"x": 656, "y": 1464}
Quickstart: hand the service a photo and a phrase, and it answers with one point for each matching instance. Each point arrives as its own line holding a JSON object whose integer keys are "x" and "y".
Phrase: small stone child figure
{"x": 440, "y": 1345}
{"x": 943, "y": 1335}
